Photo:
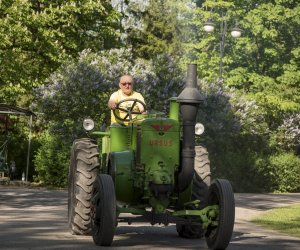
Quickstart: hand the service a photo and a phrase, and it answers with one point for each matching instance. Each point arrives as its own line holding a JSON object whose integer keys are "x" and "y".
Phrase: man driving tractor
{"x": 125, "y": 92}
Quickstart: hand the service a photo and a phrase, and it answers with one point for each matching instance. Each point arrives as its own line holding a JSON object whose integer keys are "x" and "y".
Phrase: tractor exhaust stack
{"x": 189, "y": 100}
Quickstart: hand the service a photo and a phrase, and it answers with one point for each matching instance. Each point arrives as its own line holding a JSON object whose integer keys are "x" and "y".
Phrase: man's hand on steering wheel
{"x": 130, "y": 110}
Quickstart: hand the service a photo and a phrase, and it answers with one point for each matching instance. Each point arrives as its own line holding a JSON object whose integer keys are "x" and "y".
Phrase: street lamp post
{"x": 236, "y": 32}
{"x": 223, "y": 28}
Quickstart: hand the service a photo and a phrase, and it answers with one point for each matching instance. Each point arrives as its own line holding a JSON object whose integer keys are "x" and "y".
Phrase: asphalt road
{"x": 37, "y": 219}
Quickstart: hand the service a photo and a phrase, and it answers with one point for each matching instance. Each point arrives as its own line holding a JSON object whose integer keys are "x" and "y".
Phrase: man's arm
{"x": 141, "y": 107}
{"x": 112, "y": 103}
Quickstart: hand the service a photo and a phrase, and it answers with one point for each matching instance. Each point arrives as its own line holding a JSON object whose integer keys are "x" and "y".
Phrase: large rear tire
{"x": 84, "y": 167}
{"x": 202, "y": 177}
{"x": 201, "y": 183}
{"x": 103, "y": 210}
{"x": 221, "y": 194}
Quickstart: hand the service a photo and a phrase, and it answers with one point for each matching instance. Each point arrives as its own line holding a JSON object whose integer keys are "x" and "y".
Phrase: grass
{"x": 285, "y": 220}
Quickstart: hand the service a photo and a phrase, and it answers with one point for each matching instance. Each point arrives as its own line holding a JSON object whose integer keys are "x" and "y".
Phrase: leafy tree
{"x": 270, "y": 71}
{"x": 261, "y": 69}
{"x": 150, "y": 28}
{"x": 36, "y": 37}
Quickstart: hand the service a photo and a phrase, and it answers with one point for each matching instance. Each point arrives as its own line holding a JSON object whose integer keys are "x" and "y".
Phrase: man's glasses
{"x": 126, "y": 83}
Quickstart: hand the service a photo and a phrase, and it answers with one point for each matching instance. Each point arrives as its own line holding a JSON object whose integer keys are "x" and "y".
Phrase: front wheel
{"x": 103, "y": 210}
{"x": 84, "y": 167}
{"x": 220, "y": 193}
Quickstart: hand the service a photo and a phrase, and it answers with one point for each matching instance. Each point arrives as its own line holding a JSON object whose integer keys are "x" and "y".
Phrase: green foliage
{"x": 258, "y": 116}
{"x": 235, "y": 134}
{"x": 151, "y": 27}
{"x": 249, "y": 115}
{"x": 247, "y": 139}
{"x": 52, "y": 161}
{"x": 282, "y": 172}
{"x": 36, "y": 37}
{"x": 75, "y": 91}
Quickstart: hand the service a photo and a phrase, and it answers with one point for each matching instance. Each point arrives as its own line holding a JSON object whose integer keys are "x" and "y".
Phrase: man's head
{"x": 126, "y": 84}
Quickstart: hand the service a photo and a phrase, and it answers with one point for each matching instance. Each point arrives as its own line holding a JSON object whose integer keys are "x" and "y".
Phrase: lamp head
{"x": 236, "y": 32}
{"x": 209, "y": 26}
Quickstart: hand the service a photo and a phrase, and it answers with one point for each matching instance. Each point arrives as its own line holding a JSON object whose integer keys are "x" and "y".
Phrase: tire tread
{"x": 83, "y": 171}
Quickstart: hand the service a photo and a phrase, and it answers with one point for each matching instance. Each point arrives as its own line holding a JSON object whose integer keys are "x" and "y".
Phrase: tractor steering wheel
{"x": 129, "y": 111}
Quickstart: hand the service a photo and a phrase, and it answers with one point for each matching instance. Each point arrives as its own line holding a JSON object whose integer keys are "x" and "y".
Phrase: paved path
{"x": 37, "y": 219}
{"x": 251, "y": 236}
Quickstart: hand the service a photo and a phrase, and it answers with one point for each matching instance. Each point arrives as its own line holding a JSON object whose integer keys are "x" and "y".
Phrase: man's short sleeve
{"x": 141, "y": 98}
{"x": 114, "y": 97}
{"x": 138, "y": 96}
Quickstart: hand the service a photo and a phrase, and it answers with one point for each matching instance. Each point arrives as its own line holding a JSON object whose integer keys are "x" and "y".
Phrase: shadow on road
{"x": 37, "y": 219}
{"x": 24, "y": 198}
{"x": 244, "y": 241}
{"x": 265, "y": 201}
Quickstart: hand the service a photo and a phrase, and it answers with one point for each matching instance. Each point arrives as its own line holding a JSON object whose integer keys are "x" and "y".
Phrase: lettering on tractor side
{"x": 160, "y": 142}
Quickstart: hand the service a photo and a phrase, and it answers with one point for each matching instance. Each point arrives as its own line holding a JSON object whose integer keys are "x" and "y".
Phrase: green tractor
{"x": 151, "y": 171}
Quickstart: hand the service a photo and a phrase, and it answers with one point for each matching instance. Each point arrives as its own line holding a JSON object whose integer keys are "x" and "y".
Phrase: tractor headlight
{"x": 88, "y": 124}
{"x": 199, "y": 128}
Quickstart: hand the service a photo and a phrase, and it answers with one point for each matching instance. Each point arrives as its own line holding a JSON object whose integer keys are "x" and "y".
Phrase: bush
{"x": 52, "y": 161}
{"x": 281, "y": 172}
{"x": 234, "y": 135}
{"x": 285, "y": 170}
